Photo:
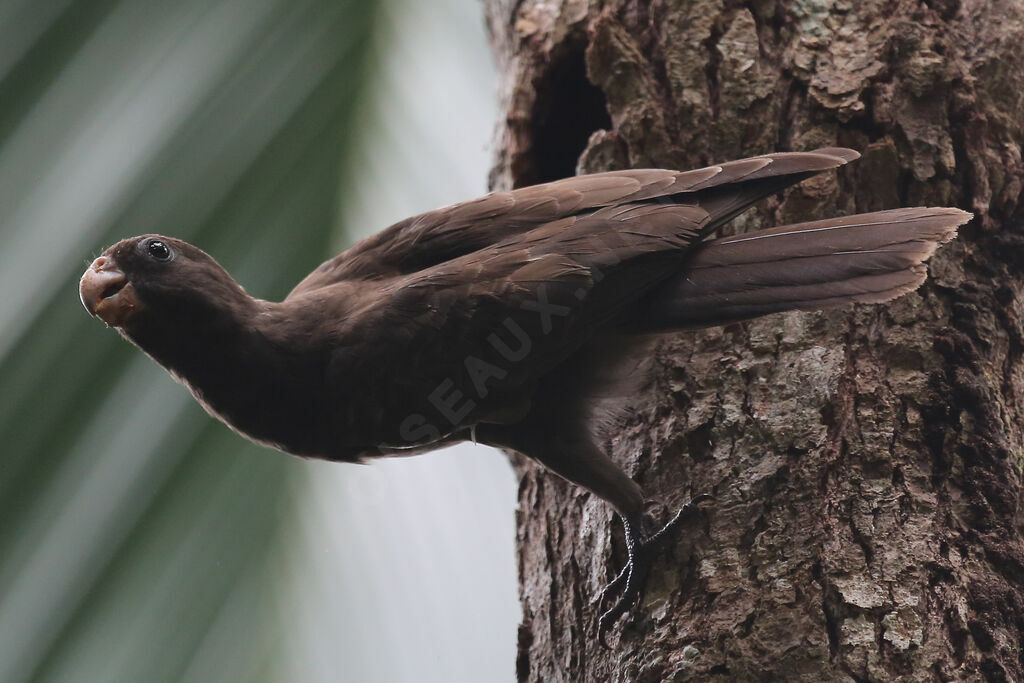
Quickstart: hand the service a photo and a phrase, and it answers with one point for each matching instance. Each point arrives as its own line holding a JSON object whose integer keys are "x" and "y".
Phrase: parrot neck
{"x": 238, "y": 371}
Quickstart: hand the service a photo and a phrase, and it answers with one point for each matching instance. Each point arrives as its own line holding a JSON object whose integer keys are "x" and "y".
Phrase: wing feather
{"x": 552, "y": 286}
{"x": 429, "y": 239}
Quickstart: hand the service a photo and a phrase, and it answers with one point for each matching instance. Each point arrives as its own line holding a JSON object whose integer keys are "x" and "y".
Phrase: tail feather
{"x": 868, "y": 258}
{"x": 723, "y": 201}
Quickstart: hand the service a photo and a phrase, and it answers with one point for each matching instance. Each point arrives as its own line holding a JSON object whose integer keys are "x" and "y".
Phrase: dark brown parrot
{"x": 517, "y": 320}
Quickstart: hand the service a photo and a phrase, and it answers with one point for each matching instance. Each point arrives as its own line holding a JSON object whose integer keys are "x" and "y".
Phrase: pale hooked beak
{"x": 107, "y": 294}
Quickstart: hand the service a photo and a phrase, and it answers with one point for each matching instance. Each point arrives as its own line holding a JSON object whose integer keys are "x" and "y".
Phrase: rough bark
{"x": 866, "y": 462}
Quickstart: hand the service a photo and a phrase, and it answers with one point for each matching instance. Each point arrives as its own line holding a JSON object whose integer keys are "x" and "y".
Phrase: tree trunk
{"x": 865, "y": 462}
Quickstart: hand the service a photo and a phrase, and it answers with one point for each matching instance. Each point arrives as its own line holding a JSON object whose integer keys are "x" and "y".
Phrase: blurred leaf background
{"x": 139, "y": 539}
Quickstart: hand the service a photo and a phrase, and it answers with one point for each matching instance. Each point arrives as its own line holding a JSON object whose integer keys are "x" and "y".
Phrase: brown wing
{"x": 480, "y": 329}
{"x": 435, "y": 237}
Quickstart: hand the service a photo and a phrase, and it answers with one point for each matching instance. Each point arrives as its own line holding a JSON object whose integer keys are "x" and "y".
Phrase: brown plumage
{"x": 505, "y": 318}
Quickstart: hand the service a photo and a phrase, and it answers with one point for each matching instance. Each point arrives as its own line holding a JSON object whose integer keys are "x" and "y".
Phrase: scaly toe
{"x": 642, "y": 552}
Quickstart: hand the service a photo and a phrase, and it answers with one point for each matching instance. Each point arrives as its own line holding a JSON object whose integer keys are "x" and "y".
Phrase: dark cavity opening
{"x": 568, "y": 109}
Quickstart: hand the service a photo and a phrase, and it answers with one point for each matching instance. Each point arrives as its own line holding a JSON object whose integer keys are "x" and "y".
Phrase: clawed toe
{"x": 613, "y": 587}
{"x": 635, "y": 573}
{"x": 642, "y": 550}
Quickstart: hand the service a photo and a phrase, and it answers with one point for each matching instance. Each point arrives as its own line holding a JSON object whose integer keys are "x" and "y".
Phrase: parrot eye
{"x": 159, "y": 250}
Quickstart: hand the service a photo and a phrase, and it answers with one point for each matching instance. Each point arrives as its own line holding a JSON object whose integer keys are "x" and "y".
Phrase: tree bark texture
{"x": 866, "y": 462}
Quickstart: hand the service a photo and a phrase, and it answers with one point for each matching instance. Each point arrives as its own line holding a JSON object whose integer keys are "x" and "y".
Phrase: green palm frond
{"x": 135, "y": 530}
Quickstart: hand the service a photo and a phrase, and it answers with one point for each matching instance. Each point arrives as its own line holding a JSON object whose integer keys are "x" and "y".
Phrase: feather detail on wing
{"x": 470, "y": 324}
{"x": 432, "y": 238}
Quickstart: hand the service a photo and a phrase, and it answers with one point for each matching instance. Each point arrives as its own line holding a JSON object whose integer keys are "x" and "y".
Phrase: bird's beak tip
{"x": 106, "y": 292}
